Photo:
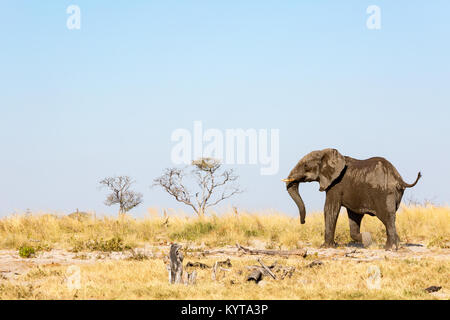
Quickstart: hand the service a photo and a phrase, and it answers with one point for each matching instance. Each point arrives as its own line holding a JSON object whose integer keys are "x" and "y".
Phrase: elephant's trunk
{"x": 292, "y": 188}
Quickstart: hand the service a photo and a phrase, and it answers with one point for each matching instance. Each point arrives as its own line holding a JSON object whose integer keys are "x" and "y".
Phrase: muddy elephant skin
{"x": 371, "y": 186}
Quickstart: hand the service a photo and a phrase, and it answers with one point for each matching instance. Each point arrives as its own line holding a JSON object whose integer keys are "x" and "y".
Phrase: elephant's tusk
{"x": 287, "y": 180}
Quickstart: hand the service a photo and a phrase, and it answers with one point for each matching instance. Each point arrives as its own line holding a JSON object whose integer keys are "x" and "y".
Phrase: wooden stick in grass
{"x": 300, "y": 252}
{"x": 267, "y": 269}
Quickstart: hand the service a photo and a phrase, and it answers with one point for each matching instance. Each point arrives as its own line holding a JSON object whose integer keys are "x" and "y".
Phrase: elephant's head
{"x": 324, "y": 166}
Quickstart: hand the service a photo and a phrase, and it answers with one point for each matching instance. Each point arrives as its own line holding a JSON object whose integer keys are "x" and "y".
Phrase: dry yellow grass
{"x": 403, "y": 277}
{"x": 430, "y": 225}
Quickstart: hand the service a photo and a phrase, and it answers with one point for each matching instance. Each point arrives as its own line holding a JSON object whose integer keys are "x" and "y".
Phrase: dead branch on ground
{"x": 299, "y": 252}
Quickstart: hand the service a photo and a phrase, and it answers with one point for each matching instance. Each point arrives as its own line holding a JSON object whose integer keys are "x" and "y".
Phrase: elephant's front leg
{"x": 331, "y": 213}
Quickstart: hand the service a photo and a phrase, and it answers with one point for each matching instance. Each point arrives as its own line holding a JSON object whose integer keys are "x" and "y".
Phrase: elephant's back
{"x": 377, "y": 172}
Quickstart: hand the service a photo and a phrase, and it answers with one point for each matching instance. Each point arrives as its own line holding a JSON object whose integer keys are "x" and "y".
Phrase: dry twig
{"x": 267, "y": 269}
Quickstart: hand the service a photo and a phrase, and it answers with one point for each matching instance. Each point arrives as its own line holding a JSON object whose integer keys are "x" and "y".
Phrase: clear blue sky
{"x": 79, "y": 105}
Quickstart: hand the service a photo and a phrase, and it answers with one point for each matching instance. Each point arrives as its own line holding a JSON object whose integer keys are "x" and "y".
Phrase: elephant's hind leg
{"x": 392, "y": 236}
{"x": 387, "y": 215}
{"x": 354, "y": 219}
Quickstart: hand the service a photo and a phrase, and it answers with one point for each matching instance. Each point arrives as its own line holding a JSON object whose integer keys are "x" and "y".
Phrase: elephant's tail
{"x": 407, "y": 185}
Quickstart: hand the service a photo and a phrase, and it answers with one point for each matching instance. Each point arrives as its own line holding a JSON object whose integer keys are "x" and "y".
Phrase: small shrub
{"x": 251, "y": 233}
{"x": 194, "y": 231}
{"x": 26, "y": 251}
{"x": 115, "y": 244}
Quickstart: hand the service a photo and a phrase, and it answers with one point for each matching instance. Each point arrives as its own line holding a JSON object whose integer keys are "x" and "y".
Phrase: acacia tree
{"x": 213, "y": 185}
{"x": 121, "y": 193}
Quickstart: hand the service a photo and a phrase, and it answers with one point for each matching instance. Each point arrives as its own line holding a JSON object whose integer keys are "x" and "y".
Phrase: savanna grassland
{"x": 124, "y": 258}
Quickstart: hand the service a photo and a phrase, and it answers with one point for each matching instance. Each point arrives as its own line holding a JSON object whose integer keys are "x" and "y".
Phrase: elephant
{"x": 372, "y": 186}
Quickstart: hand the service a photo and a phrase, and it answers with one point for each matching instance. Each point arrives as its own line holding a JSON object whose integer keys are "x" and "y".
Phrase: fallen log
{"x": 256, "y": 275}
{"x": 214, "y": 252}
{"x": 197, "y": 265}
{"x": 299, "y": 252}
{"x": 314, "y": 264}
{"x": 274, "y": 270}
{"x": 433, "y": 289}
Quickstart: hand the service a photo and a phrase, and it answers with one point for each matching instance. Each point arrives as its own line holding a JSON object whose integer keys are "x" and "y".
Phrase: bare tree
{"x": 121, "y": 193}
{"x": 213, "y": 185}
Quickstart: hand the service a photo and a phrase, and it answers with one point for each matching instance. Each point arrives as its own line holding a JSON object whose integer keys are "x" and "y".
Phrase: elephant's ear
{"x": 331, "y": 166}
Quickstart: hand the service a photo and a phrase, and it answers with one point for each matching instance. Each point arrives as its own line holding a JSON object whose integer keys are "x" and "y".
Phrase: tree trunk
{"x": 201, "y": 213}
{"x": 176, "y": 264}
